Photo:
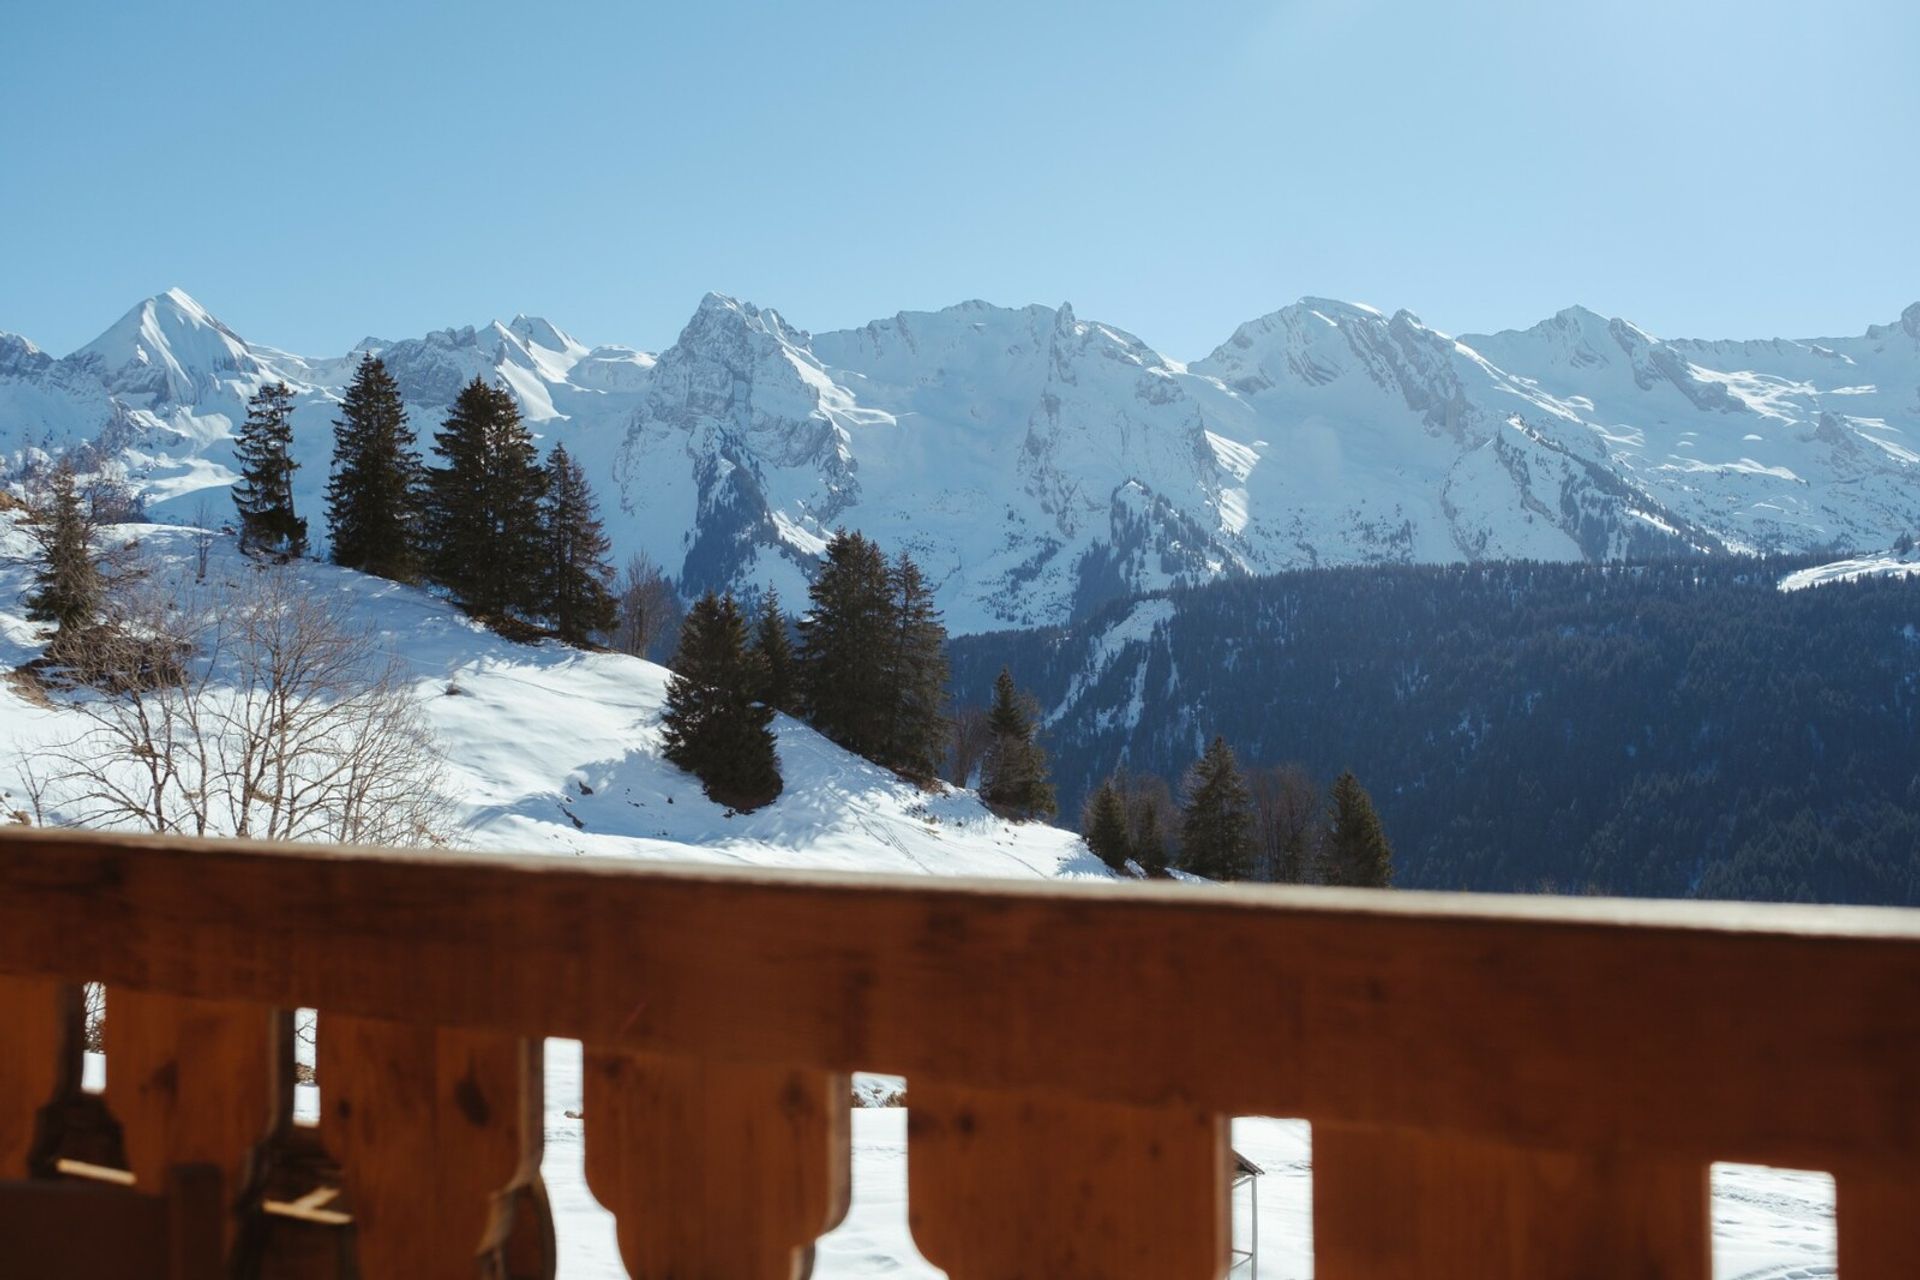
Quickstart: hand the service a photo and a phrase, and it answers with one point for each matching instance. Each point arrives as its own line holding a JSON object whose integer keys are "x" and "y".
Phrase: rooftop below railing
{"x": 1512, "y": 1087}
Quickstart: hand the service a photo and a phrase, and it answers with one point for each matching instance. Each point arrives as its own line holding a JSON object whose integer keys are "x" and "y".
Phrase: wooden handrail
{"x": 1494, "y": 1047}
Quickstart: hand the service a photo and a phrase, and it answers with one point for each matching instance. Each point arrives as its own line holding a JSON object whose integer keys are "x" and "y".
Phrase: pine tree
{"x": 1357, "y": 851}
{"x": 69, "y": 586}
{"x": 373, "y": 495}
{"x": 774, "y": 650}
{"x": 916, "y": 676}
{"x": 1216, "y": 831}
{"x": 714, "y": 727}
{"x": 847, "y": 631}
{"x": 483, "y": 527}
{"x": 1104, "y": 827}
{"x": 1014, "y": 777}
{"x": 264, "y": 494}
{"x": 576, "y": 592}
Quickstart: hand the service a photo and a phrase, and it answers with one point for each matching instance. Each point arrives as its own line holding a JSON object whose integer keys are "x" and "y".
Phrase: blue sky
{"x": 315, "y": 173}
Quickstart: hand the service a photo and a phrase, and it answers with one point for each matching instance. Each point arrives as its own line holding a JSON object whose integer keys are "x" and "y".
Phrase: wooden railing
{"x": 1497, "y": 1087}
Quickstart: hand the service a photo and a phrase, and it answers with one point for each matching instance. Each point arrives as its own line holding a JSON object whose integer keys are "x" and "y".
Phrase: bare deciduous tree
{"x": 94, "y": 1016}
{"x": 206, "y": 527}
{"x": 1153, "y": 817}
{"x": 972, "y": 737}
{"x": 1286, "y": 823}
{"x": 256, "y": 710}
{"x": 649, "y": 609}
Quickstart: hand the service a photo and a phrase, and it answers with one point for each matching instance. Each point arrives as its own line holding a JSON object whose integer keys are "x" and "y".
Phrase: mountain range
{"x": 1038, "y": 464}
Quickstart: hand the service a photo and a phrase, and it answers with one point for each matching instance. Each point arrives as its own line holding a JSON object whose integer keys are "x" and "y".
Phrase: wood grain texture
{"x": 39, "y": 1057}
{"x": 53, "y": 1230}
{"x": 61, "y": 1230}
{"x": 1877, "y": 1216}
{"x": 436, "y": 1132}
{"x": 196, "y": 1222}
{"x": 1025, "y": 1187}
{"x": 191, "y": 1081}
{"x": 713, "y": 1171}
{"x": 1406, "y": 1206}
{"x": 1774, "y": 1034}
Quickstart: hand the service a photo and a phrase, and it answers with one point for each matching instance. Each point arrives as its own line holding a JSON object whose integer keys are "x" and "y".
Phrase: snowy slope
{"x": 554, "y": 750}
{"x": 1038, "y": 463}
{"x": 1891, "y": 564}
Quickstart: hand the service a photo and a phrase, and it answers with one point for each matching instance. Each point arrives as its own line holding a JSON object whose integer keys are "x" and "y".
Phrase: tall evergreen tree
{"x": 1357, "y": 851}
{"x": 1014, "y": 778}
{"x": 714, "y": 726}
{"x": 848, "y": 630}
{"x": 483, "y": 527}
{"x": 373, "y": 495}
{"x": 774, "y": 651}
{"x": 576, "y": 590}
{"x": 69, "y": 586}
{"x": 1104, "y": 827}
{"x": 1216, "y": 831}
{"x": 916, "y": 676}
{"x": 264, "y": 494}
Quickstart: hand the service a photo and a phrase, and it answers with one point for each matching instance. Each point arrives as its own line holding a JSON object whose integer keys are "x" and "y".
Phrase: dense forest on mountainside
{"x": 1669, "y": 729}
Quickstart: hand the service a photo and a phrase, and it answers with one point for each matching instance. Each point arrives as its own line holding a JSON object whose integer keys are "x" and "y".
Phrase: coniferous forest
{"x": 1678, "y": 729}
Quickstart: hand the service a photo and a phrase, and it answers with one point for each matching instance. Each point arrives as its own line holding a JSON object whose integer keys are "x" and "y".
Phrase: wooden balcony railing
{"x": 1498, "y": 1087}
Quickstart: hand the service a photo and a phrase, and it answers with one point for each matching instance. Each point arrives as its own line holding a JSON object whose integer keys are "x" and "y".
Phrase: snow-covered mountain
{"x": 1037, "y": 463}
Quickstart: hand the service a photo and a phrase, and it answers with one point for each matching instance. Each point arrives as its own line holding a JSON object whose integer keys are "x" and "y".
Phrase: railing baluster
{"x": 41, "y": 1059}
{"x": 438, "y": 1135}
{"x": 1393, "y": 1205}
{"x": 191, "y": 1082}
{"x": 1008, "y": 1186}
{"x": 716, "y": 1171}
{"x": 1878, "y": 1221}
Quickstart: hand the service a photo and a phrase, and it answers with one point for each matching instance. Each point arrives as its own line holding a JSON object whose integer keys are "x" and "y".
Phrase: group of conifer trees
{"x": 869, "y": 671}
{"x": 1227, "y": 833}
{"x": 512, "y": 540}
{"x": 871, "y": 665}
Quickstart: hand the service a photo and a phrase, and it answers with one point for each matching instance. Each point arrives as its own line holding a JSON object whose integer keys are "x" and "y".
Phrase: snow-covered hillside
{"x": 1037, "y": 463}
{"x": 551, "y": 749}
{"x": 1891, "y": 564}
